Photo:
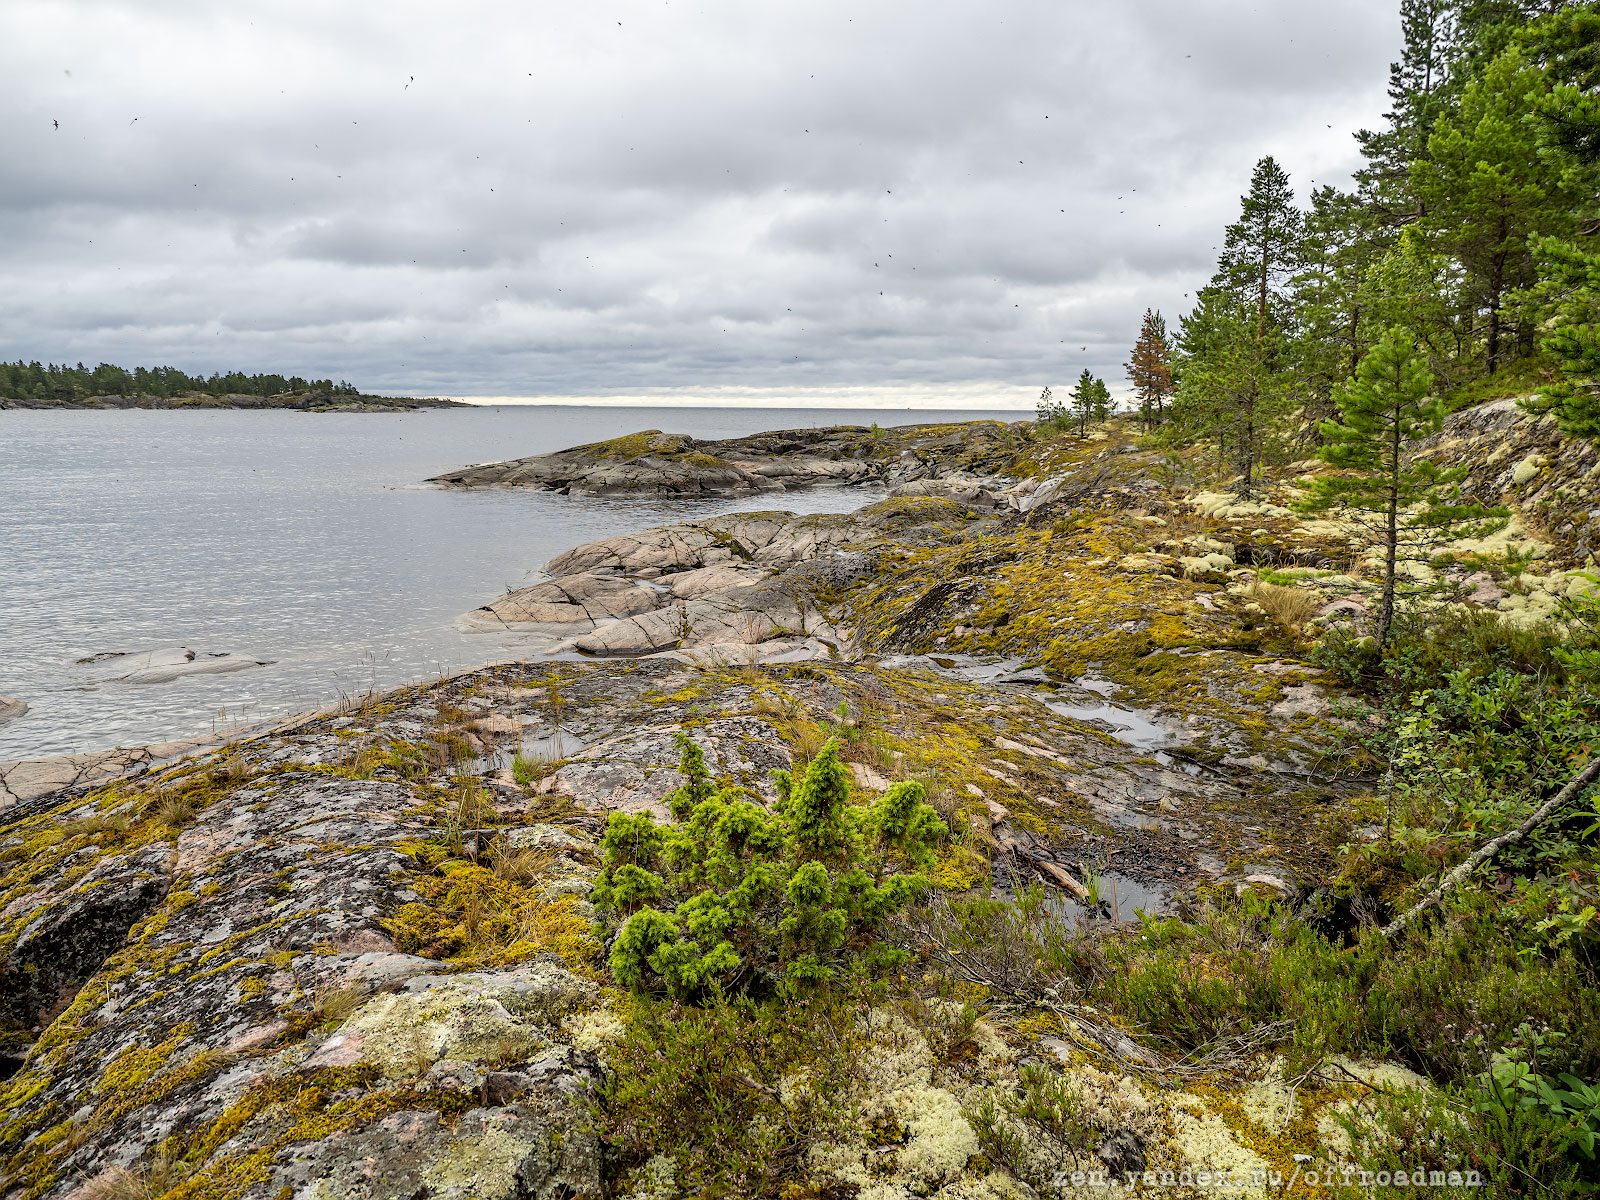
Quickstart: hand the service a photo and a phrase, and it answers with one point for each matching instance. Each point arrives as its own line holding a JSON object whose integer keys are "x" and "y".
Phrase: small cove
{"x": 303, "y": 539}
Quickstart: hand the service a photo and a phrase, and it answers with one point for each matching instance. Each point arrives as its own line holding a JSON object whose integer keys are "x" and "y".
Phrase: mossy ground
{"x": 1101, "y": 587}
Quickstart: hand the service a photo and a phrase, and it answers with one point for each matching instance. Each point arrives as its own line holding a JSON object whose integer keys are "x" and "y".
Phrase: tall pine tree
{"x": 1418, "y": 94}
{"x": 1567, "y": 124}
{"x": 1261, "y": 250}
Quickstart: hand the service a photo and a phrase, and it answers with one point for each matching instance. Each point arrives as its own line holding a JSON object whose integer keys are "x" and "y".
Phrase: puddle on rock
{"x": 1122, "y": 898}
{"x": 969, "y": 668}
{"x": 1127, "y": 725}
{"x": 551, "y": 748}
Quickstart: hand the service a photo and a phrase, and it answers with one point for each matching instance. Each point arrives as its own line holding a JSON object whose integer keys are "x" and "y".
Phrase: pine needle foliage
{"x": 1410, "y": 501}
{"x": 735, "y": 897}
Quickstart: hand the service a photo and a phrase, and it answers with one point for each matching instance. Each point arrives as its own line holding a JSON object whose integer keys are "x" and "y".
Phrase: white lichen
{"x": 592, "y": 1030}
{"x": 1201, "y": 1141}
{"x": 657, "y": 1179}
{"x": 1270, "y": 1101}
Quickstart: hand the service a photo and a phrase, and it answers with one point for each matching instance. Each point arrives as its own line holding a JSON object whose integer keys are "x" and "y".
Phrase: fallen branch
{"x": 1063, "y": 879}
{"x": 1490, "y": 848}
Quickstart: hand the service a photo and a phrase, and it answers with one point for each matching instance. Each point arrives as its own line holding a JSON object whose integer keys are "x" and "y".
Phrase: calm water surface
{"x": 301, "y": 538}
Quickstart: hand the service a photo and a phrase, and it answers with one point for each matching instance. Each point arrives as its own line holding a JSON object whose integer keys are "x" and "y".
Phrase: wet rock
{"x": 11, "y": 709}
{"x": 177, "y": 662}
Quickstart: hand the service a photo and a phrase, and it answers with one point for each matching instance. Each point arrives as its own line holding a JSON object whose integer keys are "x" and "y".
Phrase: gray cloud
{"x": 710, "y": 194}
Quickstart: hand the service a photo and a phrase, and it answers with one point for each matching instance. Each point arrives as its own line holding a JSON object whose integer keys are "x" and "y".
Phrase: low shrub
{"x": 735, "y": 897}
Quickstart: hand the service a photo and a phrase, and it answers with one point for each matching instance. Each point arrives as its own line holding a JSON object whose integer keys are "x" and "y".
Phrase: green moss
{"x": 471, "y": 917}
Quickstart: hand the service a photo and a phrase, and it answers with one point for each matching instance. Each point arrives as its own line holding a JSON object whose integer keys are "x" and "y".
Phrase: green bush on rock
{"x": 736, "y": 897}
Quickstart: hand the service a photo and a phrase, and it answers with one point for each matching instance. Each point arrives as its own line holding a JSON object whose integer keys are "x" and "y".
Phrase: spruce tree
{"x": 1407, "y": 500}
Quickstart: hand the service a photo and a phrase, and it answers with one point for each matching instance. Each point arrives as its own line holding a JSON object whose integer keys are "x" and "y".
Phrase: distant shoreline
{"x": 322, "y": 402}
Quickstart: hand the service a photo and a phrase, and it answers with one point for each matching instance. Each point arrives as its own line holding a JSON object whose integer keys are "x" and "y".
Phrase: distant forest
{"x": 58, "y": 383}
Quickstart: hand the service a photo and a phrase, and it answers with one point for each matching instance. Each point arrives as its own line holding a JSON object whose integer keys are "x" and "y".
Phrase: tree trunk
{"x": 1391, "y": 535}
{"x": 1247, "y": 443}
{"x": 1355, "y": 354}
{"x": 1497, "y": 280}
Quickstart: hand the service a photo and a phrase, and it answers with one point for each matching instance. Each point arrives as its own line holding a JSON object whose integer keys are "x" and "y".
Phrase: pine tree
{"x": 1084, "y": 401}
{"x": 1051, "y": 414}
{"x": 1418, "y": 94}
{"x": 1261, "y": 250}
{"x": 1487, "y": 189}
{"x": 1567, "y": 125}
{"x": 1341, "y": 240}
{"x": 1230, "y": 386}
{"x": 1100, "y": 402}
{"x": 1412, "y": 286}
{"x": 1150, "y": 369}
{"x": 1234, "y": 342}
{"x": 1408, "y": 500}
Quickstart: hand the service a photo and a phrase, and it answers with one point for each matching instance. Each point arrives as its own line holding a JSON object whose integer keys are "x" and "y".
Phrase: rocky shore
{"x": 354, "y": 956}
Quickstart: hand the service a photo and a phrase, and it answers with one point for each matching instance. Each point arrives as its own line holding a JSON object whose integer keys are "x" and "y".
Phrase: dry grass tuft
{"x": 518, "y": 865}
{"x": 770, "y": 705}
{"x": 174, "y": 809}
{"x": 1290, "y": 607}
{"x": 333, "y": 1005}
{"x": 156, "y": 1178}
{"x": 103, "y": 823}
{"x": 808, "y": 742}
{"x": 118, "y": 1183}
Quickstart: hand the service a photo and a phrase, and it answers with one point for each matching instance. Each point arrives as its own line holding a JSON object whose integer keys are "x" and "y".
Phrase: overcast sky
{"x": 530, "y": 198}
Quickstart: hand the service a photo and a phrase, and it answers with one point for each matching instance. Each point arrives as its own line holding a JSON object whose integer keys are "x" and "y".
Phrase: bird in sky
{"x": 57, "y": 124}
{"x": 407, "y": 88}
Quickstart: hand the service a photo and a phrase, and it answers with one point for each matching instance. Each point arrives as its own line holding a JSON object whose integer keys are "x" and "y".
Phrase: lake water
{"x": 305, "y": 539}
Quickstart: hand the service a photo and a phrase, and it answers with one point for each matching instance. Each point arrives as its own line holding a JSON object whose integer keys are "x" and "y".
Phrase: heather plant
{"x": 734, "y": 897}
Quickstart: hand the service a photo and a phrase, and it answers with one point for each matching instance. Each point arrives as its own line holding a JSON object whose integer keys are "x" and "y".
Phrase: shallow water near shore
{"x": 303, "y": 539}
